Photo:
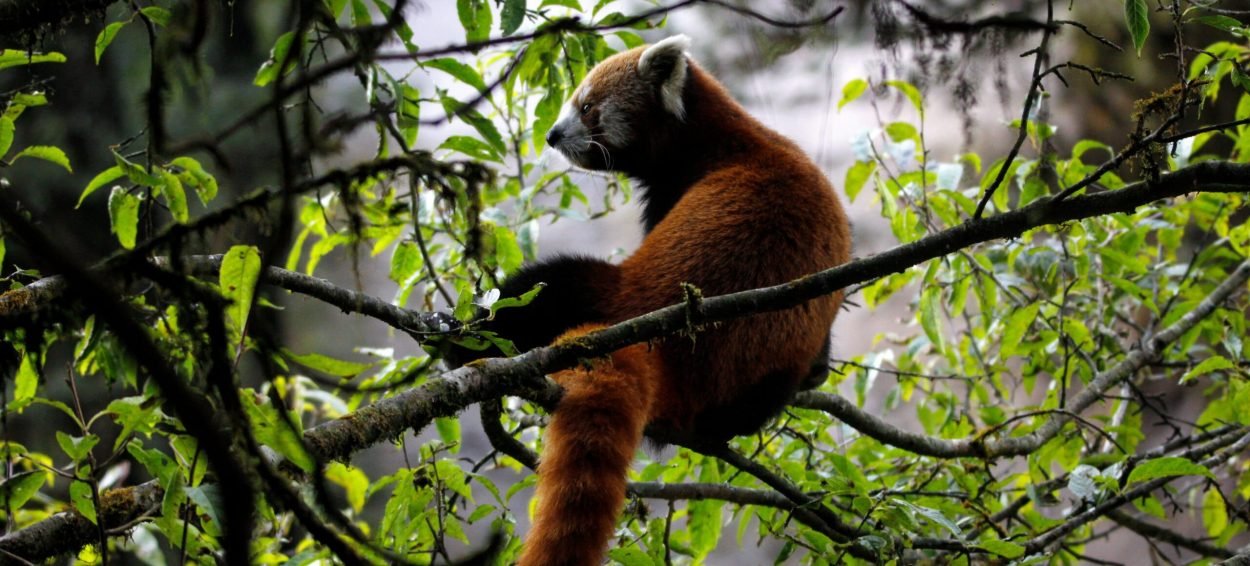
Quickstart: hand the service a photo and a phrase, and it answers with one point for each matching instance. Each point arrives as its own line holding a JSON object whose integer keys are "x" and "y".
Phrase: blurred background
{"x": 790, "y": 79}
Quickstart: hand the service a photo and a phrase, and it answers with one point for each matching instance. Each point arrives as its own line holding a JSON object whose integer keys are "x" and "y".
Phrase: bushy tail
{"x": 590, "y": 443}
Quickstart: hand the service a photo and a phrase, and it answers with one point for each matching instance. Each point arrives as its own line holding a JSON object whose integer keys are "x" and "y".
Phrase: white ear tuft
{"x": 665, "y": 64}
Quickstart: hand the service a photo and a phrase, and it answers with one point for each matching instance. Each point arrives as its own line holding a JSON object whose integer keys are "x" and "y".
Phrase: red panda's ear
{"x": 664, "y": 65}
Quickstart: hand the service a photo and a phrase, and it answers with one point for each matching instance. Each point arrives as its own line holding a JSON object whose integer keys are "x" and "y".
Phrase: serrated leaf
{"x": 1168, "y": 466}
{"x": 103, "y": 178}
{"x": 105, "y": 38}
{"x": 1209, "y": 365}
{"x": 46, "y": 153}
{"x": 18, "y": 57}
{"x": 511, "y": 16}
{"x": 17, "y": 489}
{"x": 1137, "y": 18}
{"x": 240, "y": 270}
{"x": 124, "y": 216}
{"x": 81, "y": 497}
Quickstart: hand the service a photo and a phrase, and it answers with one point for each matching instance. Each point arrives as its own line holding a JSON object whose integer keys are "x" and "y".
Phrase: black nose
{"x": 554, "y": 136}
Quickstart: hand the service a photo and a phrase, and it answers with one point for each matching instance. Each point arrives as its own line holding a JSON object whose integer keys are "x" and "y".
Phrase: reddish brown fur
{"x": 750, "y": 210}
{"x": 590, "y": 443}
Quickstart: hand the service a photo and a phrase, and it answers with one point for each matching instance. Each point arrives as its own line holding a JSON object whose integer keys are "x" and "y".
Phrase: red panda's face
{"x": 600, "y": 125}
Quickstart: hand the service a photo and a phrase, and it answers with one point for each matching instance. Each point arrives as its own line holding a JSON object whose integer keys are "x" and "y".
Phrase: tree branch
{"x": 448, "y": 394}
{"x": 23, "y": 20}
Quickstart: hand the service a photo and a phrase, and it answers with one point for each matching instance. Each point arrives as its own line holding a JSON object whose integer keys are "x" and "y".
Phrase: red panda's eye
{"x": 586, "y": 108}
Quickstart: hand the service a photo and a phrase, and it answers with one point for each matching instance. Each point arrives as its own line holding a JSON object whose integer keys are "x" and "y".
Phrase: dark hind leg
{"x": 575, "y": 292}
{"x": 820, "y": 368}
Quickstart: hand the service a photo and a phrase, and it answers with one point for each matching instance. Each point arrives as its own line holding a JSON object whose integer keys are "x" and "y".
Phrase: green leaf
{"x": 208, "y": 498}
{"x": 124, "y": 216}
{"x": 511, "y": 16}
{"x": 157, "y": 14}
{"x": 175, "y": 197}
{"x": 135, "y": 414}
{"x": 105, "y": 38}
{"x": 630, "y": 556}
{"x": 1214, "y": 513}
{"x": 137, "y": 173}
{"x": 1209, "y": 365}
{"x": 462, "y": 72}
{"x": 912, "y": 94}
{"x": 80, "y": 495}
{"x": 856, "y": 176}
{"x": 930, "y": 314}
{"x": 524, "y": 299}
{"x": 76, "y": 447}
{"x": 405, "y": 262}
{"x": 471, "y": 147}
{"x": 269, "y": 69}
{"x": 105, "y": 177}
{"x": 354, "y": 482}
{"x": 7, "y": 128}
{"x": 852, "y": 91}
{"x": 46, "y": 153}
{"x": 205, "y": 184}
{"x": 476, "y": 18}
{"x": 508, "y": 254}
{"x": 1002, "y": 548}
{"x": 1220, "y": 22}
{"x": 271, "y": 431}
{"x": 360, "y": 14}
{"x": 27, "y": 383}
{"x": 1167, "y": 466}
{"x": 448, "y": 430}
{"x": 17, "y": 489}
{"x": 1137, "y": 18}
{"x": 327, "y": 365}
{"x": 240, "y": 270}
{"x": 18, "y": 57}
{"x": 1016, "y": 326}
{"x": 157, "y": 464}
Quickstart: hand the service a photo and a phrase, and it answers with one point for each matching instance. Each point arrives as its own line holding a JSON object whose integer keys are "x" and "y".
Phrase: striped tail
{"x": 590, "y": 444}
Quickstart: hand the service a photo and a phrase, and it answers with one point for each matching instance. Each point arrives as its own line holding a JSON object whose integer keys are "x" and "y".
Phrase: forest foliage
{"x": 1063, "y": 295}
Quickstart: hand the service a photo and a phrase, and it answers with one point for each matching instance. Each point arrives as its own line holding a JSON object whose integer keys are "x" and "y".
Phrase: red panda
{"x": 729, "y": 205}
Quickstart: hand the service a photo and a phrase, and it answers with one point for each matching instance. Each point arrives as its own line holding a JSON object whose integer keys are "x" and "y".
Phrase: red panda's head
{"x": 623, "y": 100}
